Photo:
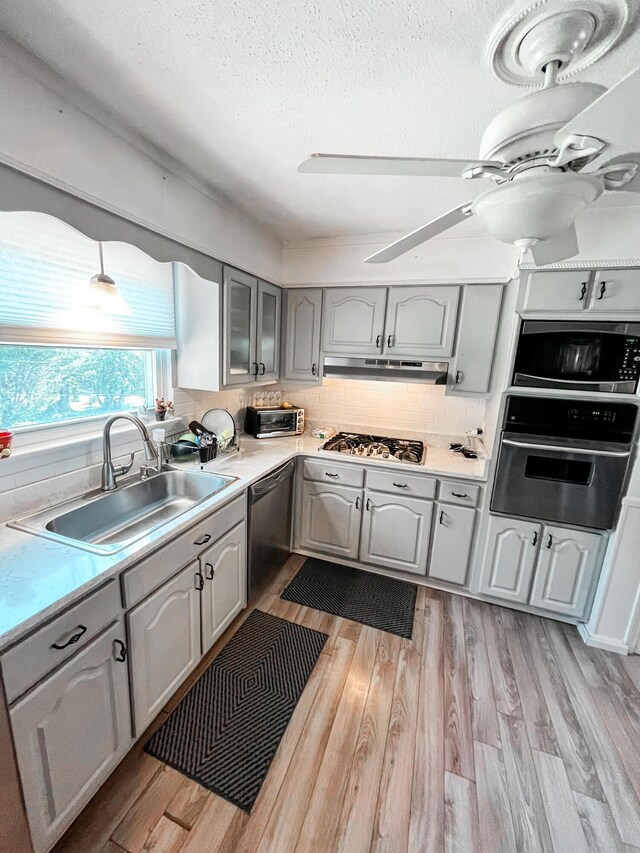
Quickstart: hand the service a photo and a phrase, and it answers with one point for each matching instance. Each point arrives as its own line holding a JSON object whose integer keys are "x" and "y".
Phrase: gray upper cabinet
{"x": 396, "y": 532}
{"x": 268, "y": 331}
{"x": 556, "y": 292}
{"x": 303, "y": 316}
{"x": 70, "y": 732}
{"x": 353, "y": 320}
{"x": 477, "y": 331}
{"x": 250, "y": 329}
{"x": 421, "y": 321}
{"x": 616, "y": 291}
{"x": 240, "y": 301}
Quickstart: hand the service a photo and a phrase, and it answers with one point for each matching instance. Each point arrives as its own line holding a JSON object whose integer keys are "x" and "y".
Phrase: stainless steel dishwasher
{"x": 269, "y": 527}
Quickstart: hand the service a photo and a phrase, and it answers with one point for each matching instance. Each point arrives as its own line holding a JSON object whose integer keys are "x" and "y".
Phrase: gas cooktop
{"x": 377, "y": 447}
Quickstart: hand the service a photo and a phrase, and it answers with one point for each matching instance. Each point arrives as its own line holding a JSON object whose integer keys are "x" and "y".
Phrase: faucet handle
{"x": 124, "y": 469}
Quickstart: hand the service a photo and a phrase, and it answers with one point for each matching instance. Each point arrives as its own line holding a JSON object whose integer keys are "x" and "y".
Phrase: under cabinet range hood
{"x": 387, "y": 369}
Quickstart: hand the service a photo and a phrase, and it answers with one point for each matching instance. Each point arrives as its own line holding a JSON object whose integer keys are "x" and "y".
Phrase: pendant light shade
{"x": 104, "y": 295}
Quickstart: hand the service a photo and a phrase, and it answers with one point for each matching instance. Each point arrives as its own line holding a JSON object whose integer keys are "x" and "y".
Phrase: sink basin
{"x": 110, "y": 521}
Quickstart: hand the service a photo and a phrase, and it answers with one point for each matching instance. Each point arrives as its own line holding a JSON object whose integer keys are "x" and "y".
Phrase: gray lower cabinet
{"x": 396, "y": 532}
{"x": 452, "y": 542}
{"x": 421, "y": 321}
{"x": 70, "y": 732}
{"x": 509, "y": 558}
{"x": 301, "y": 350}
{"x": 353, "y": 320}
{"x": 223, "y": 568}
{"x": 330, "y": 519}
{"x": 164, "y": 643}
{"x": 566, "y": 568}
{"x": 552, "y": 568}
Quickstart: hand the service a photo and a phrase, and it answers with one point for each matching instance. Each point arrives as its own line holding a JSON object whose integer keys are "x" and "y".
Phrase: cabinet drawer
{"x": 399, "y": 483}
{"x": 459, "y": 493}
{"x": 327, "y": 472}
{"x": 153, "y": 571}
{"x": 25, "y": 664}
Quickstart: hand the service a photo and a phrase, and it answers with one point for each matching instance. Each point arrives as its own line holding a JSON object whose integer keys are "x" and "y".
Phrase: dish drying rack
{"x": 224, "y": 449}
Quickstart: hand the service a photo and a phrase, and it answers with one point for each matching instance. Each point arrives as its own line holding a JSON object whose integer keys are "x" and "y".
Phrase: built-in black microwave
{"x": 578, "y": 356}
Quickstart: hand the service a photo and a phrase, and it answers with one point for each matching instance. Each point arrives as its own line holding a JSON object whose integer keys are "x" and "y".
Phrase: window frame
{"x": 78, "y": 428}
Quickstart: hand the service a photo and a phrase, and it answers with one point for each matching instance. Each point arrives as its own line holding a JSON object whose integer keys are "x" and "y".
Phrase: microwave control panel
{"x": 629, "y": 367}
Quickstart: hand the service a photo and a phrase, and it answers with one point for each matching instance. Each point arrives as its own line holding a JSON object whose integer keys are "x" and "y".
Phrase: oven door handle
{"x": 582, "y": 450}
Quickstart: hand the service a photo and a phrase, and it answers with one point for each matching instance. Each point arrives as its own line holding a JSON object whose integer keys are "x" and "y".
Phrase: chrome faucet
{"x": 111, "y": 471}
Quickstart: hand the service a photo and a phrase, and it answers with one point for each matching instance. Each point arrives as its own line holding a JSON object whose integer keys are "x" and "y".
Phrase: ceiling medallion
{"x": 576, "y": 34}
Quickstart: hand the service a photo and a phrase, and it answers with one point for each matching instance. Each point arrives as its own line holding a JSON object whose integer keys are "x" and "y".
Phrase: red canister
{"x": 6, "y": 438}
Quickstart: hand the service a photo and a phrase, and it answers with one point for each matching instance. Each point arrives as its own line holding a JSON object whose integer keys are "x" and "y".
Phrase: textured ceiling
{"x": 242, "y": 91}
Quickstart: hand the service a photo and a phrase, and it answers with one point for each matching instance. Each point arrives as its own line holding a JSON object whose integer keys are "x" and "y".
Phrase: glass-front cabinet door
{"x": 268, "y": 338}
{"x": 239, "y": 327}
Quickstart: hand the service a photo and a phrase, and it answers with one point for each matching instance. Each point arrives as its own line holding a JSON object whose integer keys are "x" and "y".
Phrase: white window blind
{"x": 45, "y": 269}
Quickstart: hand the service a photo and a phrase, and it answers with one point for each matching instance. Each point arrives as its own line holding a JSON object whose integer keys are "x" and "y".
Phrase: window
{"x": 42, "y": 385}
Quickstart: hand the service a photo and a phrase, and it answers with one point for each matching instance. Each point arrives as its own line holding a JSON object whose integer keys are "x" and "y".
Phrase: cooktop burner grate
{"x": 377, "y": 447}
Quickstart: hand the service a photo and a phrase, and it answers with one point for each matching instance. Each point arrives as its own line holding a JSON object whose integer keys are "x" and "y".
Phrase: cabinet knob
{"x": 120, "y": 651}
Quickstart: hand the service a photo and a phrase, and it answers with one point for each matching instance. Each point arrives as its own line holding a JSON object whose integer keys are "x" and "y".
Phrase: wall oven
{"x": 563, "y": 460}
{"x": 578, "y": 356}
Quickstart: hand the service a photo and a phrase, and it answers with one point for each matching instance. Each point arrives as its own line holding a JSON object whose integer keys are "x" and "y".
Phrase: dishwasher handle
{"x": 268, "y": 484}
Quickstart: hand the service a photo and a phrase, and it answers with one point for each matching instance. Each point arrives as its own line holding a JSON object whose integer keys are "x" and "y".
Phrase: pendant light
{"x": 104, "y": 295}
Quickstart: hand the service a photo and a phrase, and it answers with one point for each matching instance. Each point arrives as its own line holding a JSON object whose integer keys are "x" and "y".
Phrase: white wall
{"x": 45, "y": 134}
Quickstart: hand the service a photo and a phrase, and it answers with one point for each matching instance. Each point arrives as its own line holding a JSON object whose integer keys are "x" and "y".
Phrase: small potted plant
{"x": 162, "y": 408}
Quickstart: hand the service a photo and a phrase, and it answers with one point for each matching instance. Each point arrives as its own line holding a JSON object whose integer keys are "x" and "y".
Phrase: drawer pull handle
{"x": 78, "y": 632}
{"x": 199, "y": 581}
{"x": 209, "y": 571}
{"x": 203, "y": 540}
{"x": 401, "y": 485}
{"x": 550, "y": 542}
{"x": 460, "y": 495}
{"x": 583, "y": 291}
{"x": 603, "y": 290}
{"x": 333, "y": 476}
{"x": 121, "y": 651}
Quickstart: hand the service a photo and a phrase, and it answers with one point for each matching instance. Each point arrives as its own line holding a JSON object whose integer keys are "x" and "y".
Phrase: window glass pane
{"x": 44, "y": 385}
{"x": 240, "y": 333}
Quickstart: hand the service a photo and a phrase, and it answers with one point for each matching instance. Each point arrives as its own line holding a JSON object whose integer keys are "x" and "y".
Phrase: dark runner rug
{"x": 375, "y": 600}
{"x": 225, "y": 732}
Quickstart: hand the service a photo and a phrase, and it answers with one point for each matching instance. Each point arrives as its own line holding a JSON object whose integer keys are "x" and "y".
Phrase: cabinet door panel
{"x": 69, "y": 734}
{"x": 477, "y": 331}
{"x": 556, "y": 292}
{"x": 353, "y": 320}
{"x": 224, "y": 567}
{"x": 509, "y": 558}
{"x": 302, "y": 335}
{"x": 239, "y": 327}
{"x": 164, "y": 639}
{"x": 452, "y": 540}
{"x": 396, "y": 532}
{"x": 566, "y": 567}
{"x": 616, "y": 291}
{"x": 330, "y": 520}
{"x": 268, "y": 340}
{"x": 421, "y": 321}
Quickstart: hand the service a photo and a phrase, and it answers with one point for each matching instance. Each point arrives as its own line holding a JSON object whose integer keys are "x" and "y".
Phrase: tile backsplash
{"x": 385, "y": 406}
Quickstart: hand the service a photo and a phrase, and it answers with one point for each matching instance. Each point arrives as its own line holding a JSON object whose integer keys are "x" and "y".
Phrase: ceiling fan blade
{"x": 556, "y": 248}
{"x": 352, "y": 164}
{"x": 613, "y": 117}
{"x": 421, "y": 235}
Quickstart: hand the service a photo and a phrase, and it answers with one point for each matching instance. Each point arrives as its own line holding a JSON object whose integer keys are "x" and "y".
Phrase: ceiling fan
{"x": 549, "y": 154}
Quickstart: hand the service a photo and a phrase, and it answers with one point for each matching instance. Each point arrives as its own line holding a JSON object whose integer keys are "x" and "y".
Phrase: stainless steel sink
{"x": 105, "y": 522}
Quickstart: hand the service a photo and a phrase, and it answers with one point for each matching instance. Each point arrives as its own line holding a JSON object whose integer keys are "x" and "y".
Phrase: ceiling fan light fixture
{"x": 535, "y": 207}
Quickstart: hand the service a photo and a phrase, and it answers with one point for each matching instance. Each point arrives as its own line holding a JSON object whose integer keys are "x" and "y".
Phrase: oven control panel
{"x": 597, "y": 415}
{"x": 629, "y": 367}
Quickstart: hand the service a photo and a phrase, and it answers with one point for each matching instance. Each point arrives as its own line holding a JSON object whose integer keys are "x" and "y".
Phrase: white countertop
{"x": 39, "y": 577}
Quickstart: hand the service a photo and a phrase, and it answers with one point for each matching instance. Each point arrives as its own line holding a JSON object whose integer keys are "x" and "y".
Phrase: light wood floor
{"x": 490, "y": 731}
